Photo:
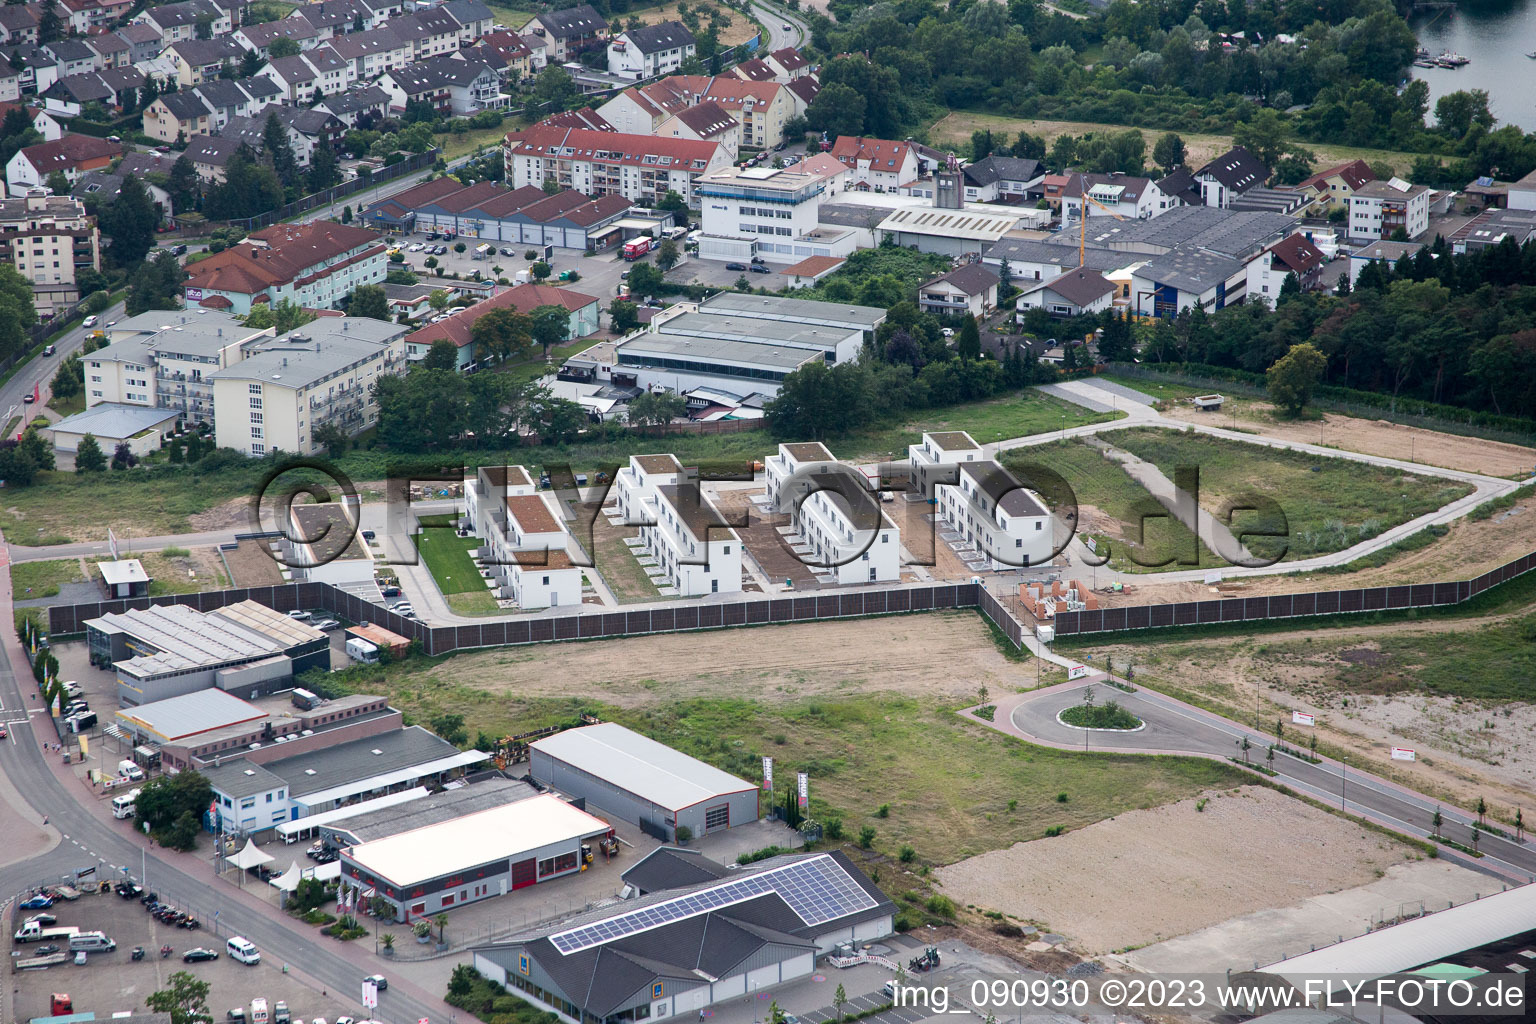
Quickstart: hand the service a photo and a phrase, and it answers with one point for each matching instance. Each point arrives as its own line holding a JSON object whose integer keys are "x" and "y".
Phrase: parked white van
{"x": 129, "y": 770}
{"x": 242, "y": 950}
{"x": 91, "y": 942}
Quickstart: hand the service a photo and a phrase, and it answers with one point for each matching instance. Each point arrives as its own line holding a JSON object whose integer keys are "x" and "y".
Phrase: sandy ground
{"x": 1407, "y": 890}
{"x": 738, "y": 30}
{"x": 1379, "y": 437}
{"x": 895, "y": 654}
{"x": 1150, "y": 875}
{"x": 1458, "y": 757}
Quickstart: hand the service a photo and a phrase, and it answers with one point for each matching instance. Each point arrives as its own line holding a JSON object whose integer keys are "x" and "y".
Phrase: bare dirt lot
{"x": 252, "y": 565}
{"x": 738, "y": 28}
{"x": 1379, "y": 437}
{"x": 938, "y": 654}
{"x": 1145, "y": 876}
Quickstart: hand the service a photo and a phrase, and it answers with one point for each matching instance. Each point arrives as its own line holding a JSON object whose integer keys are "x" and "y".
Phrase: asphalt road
{"x": 1173, "y": 727}
{"x": 40, "y": 370}
{"x": 777, "y": 19}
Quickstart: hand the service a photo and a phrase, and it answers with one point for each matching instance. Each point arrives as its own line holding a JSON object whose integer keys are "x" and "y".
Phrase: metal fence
{"x": 1288, "y": 606}
{"x": 411, "y": 164}
{"x": 765, "y": 611}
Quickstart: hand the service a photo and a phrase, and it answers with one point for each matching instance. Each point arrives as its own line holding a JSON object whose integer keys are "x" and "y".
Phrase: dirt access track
{"x": 1377, "y": 437}
{"x": 1145, "y": 876}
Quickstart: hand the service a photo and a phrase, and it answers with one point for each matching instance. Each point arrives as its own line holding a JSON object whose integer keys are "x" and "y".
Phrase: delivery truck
{"x": 637, "y": 247}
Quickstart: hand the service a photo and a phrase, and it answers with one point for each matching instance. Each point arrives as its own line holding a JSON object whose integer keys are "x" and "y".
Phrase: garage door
{"x": 524, "y": 873}
{"x": 762, "y": 978}
{"x": 717, "y": 817}
{"x": 694, "y": 999}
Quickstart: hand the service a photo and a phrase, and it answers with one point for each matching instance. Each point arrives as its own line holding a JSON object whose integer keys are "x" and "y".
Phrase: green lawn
{"x": 532, "y": 369}
{"x": 995, "y": 419}
{"x": 1103, "y": 485}
{"x": 43, "y": 579}
{"x": 511, "y": 15}
{"x": 447, "y": 556}
{"x": 617, "y": 564}
{"x": 455, "y": 146}
{"x": 68, "y": 406}
{"x": 1327, "y": 504}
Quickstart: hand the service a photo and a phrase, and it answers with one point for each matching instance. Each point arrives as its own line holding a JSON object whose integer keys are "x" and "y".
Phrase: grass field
{"x": 739, "y": 28}
{"x": 177, "y": 571}
{"x": 511, "y": 15}
{"x": 68, "y": 406}
{"x": 455, "y": 146}
{"x": 61, "y": 507}
{"x": 43, "y": 579}
{"x": 453, "y": 570}
{"x": 955, "y": 130}
{"x": 1105, "y": 487}
{"x": 1327, "y": 504}
{"x": 953, "y": 788}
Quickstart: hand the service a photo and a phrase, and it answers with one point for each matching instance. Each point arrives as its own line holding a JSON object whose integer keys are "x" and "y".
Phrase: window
{"x": 448, "y": 899}
{"x": 555, "y": 865}
{"x": 258, "y": 449}
{"x": 254, "y": 389}
{"x": 256, "y": 417}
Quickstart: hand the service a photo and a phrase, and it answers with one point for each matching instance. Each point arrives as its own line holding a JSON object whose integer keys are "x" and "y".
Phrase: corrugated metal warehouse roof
{"x": 654, "y": 771}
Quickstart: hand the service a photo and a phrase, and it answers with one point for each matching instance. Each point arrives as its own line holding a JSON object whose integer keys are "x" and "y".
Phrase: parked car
{"x": 416, "y": 247}
{"x": 89, "y": 321}
{"x": 758, "y": 268}
{"x": 198, "y": 955}
{"x": 390, "y": 591}
{"x": 507, "y": 250}
{"x": 404, "y": 608}
{"x": 29, "y": 398}
{"x": 46, "y": 920}
{"x": 379, "y": 981}
{"x": 41, "y": 901}
{"x": 324, "y": 624}
{"x": 739, "y": 267}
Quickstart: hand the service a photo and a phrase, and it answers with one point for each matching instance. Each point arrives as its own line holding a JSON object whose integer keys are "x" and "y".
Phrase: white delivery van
{"x": 129, "y": 770}
{"x": 242, "y": 950}
{"x": 91, "y": 942}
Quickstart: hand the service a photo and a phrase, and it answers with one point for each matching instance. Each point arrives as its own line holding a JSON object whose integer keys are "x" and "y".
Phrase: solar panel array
{"x": 817, "y": 890}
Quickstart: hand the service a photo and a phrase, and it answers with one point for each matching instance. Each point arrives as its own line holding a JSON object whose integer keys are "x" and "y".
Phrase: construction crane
{"x": 1082, "y": 242}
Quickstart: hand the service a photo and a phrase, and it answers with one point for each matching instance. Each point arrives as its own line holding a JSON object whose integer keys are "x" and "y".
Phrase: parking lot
{"x": 114, "y": 982}
{"x": 713, "y": 273}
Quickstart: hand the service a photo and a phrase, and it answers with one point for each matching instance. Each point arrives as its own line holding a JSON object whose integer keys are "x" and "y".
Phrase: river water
{"x": 1497, "y": 35}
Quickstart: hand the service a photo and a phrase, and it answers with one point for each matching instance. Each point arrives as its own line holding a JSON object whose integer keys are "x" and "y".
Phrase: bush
{"x": 834, "y": 828}
{"x": 867, "y": 836}
{"x": 907, "y": 854}
{"x": 1055, "y": 830}
{"x": 883, "y": 811}
{"x": 941, "y": 906}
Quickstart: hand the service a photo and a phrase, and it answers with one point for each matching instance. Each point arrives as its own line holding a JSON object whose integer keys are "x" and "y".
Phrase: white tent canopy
{"x": 249, "y": 856}
{"x": 324, "y": 872}
{"x": 288, "y": 881}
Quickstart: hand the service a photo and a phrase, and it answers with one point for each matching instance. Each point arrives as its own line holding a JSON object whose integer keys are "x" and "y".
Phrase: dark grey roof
{"x": 118, "y": 79}
{"x": 354, "y": 761}
{"x": 1002, "y": 168}
{"x": 240, "y": 778}
{"x": 202, "y": 52}
{"x": 664, "y": 35}
{"x": 211, "y": 150}
{"x": 172, "y": 15}
{"x": 851, "y": 215}
{"x": 139, "y": 33}
{"x": 70, "y": 49}
{"x": 259, "y": 88}
{"x": 354, "y": 100}
{"x": 222, "y": 93}
{"x": 1189, "y": 271}
{"x": 1003, "y": 489}
{"x": 246, "y": 129}
{"x": 970, "y": 278}
{"x": 1237, "y": 169}
{"x": 185, "y": 105}
{"x": 18, "y": 18}
{"x": 467, "y": 12}
{"x": 437, "y": 73}
{"x": 573, "y": 22}
{"x": 1227, "y": 232}
{"x": 432, "y": 22}
{"x": 1029, "y": 250}
{"x": 306, "y": 122}
{"x": 1081, "y": 287}
{"x": 671, "y": 867}
{"x": 293, "y": 69}
{"x": 605, "y": 977}
{"x": 361, "y": 44}
{"x": 146, "y": 163}
{"x": 1180, "y": 184}
{"x": 81, "y": 88}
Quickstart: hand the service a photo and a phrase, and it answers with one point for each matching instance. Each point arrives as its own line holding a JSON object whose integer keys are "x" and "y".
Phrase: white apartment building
{"x": 937, "y": 451}
{"x": 999, "y": 520}
{"x": 530, "y": 551}
{"x": 485, "y": 497}
{"x": 690, "y": 542}
{"x": 772, "y": 214}
{"x": 636, "y": 485}
{"x": 1114, "y": 194}
{"x": 641, "y": 168}
{"x": 165, "y": 359}
{"x": 315, "y": 264}
{"x": 1379, "y": 208}
{"x": 846, "y": 541}
{"x": 650, "y": 50}
{"x": 290, "y": 386}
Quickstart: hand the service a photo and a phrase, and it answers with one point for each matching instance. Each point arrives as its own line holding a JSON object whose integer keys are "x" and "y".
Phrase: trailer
{"x": 1207, "y": 403}
{"x": 37, "y": 963}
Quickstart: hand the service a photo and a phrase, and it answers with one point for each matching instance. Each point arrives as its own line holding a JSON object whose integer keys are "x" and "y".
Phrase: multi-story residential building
{"x": 288, "y": 387}
{"x": 968, "y": 290}
{"x": 474, "y": 18}
{"x": 86, "y": 15}
{"x": 1332, "y": 187}
{"x": 789, "y": 64}
{"x": 18, "y": 23}
{"x": 227, "y": 99}
{"x": 374, "y": 52}
{"x": 315, "y": 265}
{"x": 850, "y": 538}
{"x": 650, "y": 50}
{"x": 706, "y": 122}
{"x": 1114, "y": 194}
{"x": 433, "y": 32}
{"x": 111, "y": 87}
{"x": 200, "y": 60}
{"x": 879, "y": 164}
{"x": 177, "y": 116}
{"x": 1075, "y": 293}
{"x": 48, "y": 239}
{"x": 261, "y": 37}
{"x": 143, "y": 41}
{"x": 73, "y": 56}
{"x": 70, "y": 155}
{"x": 1379, "y": 209}
{"x": 485, "y": 497}
{"x": 530, "y": 552}
{"x": 692, "y": 543}
{"x": 42, "y": 122}
{"x": 1292, "y": 255}
{"x": 1224, "y": 180}
{"x": 454, "y": 87}
{"x": 10, "y": 82}
{"x": 356, "y": 108}
{"x": 1001, "y": 177}
{"x": 568, "y": 32}
{"x": 179, "y": 22}
{"x": 1003, "y": 525}
{"x": 930, "y": 460}
{"x": 760, "y": 211}
{"x": 111, "y": 51}
{"x": 163, "y": 359}
{"x": 513, "y": 51}
{"x": 761, "y": 108}
{"x": 635, "y": 485}
{"x": 296, "y": 77}
{"x": 640, "y": 168}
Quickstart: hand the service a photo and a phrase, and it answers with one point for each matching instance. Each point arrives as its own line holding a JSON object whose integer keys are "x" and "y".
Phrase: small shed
{"x": 1208, "y": 403}
{"x": 124, "y": 578}
{"x": 140, "y": 427}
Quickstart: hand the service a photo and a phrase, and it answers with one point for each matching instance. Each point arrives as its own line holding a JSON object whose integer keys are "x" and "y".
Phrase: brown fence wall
{"x": 762, "y": 611}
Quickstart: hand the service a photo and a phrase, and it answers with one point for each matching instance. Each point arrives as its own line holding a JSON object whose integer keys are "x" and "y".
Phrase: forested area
{"x": 1306, "y": 72}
